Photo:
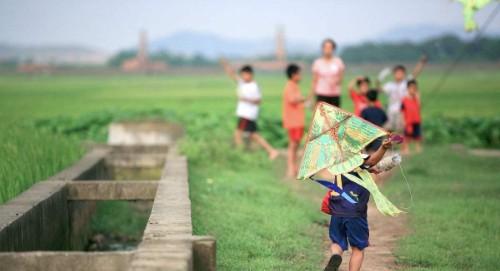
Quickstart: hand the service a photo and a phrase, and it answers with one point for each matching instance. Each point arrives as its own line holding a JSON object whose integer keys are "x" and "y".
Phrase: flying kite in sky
{"x": 335, "y": 146}
{"x": 470, "y": 9}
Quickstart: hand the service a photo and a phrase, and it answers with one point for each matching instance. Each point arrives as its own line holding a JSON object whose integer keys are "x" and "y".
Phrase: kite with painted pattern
{"x": 335, "y": 143}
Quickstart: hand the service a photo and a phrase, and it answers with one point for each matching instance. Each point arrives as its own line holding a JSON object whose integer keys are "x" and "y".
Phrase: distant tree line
{"x": 441, "y": 49}
{"x": 170, "y": 59}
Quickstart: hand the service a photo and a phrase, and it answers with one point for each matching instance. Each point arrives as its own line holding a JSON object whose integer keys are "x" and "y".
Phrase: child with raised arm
{"x": 410, "y": 106}
{"x": 247, "y": 110}
{"x": 358, "y": 88}
{"x": 396, "y": 90}
{"x": 293, "y": 116}
{"x": 349, "y": 224}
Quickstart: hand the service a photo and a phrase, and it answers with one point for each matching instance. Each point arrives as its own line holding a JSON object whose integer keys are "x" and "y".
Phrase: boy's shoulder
{"x": 291, "y": 86}
{"x": 248, "y": 85}
{"x": 372, "y": 110}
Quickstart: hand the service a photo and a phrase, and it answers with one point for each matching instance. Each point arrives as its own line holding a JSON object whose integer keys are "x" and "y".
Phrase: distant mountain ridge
{"x": 213, "y": 46}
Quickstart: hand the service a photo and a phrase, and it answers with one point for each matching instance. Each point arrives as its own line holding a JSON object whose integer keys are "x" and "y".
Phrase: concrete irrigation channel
{"x": 48, "y": 226}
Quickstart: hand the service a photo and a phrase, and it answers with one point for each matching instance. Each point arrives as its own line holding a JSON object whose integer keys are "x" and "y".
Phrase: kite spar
{"x": 334, "y": 144}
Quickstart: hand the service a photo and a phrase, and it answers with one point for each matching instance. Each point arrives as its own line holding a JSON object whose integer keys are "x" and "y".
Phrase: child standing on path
{"x": 293, "y": 116}
{"x": 349, "y": 224}
{"x": 410, "y": 107}
{"x": 247, "y": 111}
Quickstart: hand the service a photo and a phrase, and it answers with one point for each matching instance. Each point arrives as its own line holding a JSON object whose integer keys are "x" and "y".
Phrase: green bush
{"x": 470, "y": 131}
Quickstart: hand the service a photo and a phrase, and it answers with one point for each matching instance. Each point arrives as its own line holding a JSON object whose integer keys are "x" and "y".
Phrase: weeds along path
{"x": 384, "y": 231}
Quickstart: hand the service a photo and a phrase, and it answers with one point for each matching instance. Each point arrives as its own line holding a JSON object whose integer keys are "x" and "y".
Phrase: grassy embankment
{"x": 260, "y": 223}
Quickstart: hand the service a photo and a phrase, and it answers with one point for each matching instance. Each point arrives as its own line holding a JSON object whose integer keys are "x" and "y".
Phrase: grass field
{"x": 261, "y": 223}
{"x": 454, "y": 221}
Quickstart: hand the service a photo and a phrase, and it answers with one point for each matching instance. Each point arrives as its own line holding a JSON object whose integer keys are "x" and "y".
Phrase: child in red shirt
{"x": 410, "y": 106}
{"x": 293, "y": 116}
{"x": 358, "y": 95}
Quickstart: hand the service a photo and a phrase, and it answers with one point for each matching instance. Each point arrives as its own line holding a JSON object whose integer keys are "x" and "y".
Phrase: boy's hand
{"x": 424, "y": 58}
{"x": 307, "y": 103}
{"x": 387, "y": 143}
{"x": 223, "y": 61}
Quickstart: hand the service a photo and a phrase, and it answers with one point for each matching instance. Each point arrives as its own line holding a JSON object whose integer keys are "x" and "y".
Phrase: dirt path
{"x": 384, "y": 231}
{"x": 477, "y": 152}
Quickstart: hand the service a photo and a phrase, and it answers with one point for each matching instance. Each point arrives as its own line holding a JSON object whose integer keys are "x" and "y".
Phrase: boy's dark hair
{"x": 365, "y": 79}
{"x": 372, "y": 95}
{"x": 412, "y": 82}
{"x": 331, "y": 41}
{"x": 399, "y": 68}
{"x": 246, "y": 68}
{"x": 291, "y": 70}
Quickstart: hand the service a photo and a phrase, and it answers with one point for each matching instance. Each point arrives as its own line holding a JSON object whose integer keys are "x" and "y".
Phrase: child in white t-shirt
{"x": 396, "y": 90}
{"x": 247, "y": 110}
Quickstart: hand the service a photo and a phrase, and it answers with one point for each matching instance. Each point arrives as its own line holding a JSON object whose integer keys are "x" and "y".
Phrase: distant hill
{"x": 191, "y": 43}
{"x": 57, "y": 54}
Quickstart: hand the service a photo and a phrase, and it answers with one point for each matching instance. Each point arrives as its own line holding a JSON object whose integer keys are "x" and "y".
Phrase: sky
{"x": 114, "y": 24}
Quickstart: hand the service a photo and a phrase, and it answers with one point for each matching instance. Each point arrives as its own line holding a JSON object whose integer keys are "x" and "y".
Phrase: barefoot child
{"x": 249, "y": 98}
{"x": 293, "y": 116}
{"x": 348, "y": 224}
{"x": 410, "y": 106}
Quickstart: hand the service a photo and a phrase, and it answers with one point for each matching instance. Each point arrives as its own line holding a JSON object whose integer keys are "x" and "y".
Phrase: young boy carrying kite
{"x": 334, "y": 158}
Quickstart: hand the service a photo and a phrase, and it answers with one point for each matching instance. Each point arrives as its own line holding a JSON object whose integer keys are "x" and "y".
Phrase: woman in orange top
{"x": 293, "y": 116}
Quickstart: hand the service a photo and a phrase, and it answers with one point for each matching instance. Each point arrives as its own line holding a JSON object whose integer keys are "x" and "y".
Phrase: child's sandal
{"x": 334, "y": 263}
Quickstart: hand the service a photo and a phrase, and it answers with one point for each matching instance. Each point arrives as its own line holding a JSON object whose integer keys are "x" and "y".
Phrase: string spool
{"x": 388, "y": 162}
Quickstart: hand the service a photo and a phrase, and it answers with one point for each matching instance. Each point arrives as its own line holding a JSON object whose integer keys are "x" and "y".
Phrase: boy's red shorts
{"x": 295, "y": 134}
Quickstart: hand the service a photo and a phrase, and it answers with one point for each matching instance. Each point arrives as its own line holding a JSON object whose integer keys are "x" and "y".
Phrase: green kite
{"x": 335, "y": 143}
{"x": 470, "y": 9}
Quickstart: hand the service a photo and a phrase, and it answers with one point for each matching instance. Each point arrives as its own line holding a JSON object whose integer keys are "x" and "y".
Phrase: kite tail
{"x": 383, "y": 204}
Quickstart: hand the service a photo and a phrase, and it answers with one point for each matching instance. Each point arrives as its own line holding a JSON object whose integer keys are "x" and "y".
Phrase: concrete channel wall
{"x": 39, "y": 218}
{"x": 38, "y": 225}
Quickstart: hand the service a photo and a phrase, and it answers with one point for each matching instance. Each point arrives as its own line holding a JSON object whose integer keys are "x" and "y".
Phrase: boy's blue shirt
{"x": 374, "y": 115}
{"x": 341, "y": 207}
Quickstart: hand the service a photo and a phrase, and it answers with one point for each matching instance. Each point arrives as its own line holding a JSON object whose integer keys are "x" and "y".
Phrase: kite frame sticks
{"x": 343, "y": 111}
{"x": 330, "y": 127}
{"x": 318, "y": 104}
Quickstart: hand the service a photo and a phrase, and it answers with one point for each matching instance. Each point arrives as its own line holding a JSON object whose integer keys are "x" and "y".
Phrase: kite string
{"x": 408, "y": 186}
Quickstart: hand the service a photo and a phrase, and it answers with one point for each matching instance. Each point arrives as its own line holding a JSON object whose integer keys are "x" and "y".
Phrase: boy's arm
{"x": 352, "y": 83}
{"x": 378, "y": 154}
{"x": 294, "y": 99}
{"x": 249, "y": 100}
{"x": 313, "y": 86}
{"x": 297, "y": 100}
{"x": 419, "y": 67}
{"x": 228, "y": 69}
{"x": 378, "y": 85}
